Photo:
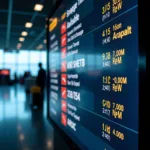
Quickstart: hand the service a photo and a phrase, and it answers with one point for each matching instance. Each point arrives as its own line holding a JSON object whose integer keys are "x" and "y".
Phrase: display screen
{"x": 5, "y": 72}
{"x": 94, "y": 72}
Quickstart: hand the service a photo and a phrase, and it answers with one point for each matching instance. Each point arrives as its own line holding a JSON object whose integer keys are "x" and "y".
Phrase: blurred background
{"x": 23, "y": 36}
{"x": 23, "y": 119}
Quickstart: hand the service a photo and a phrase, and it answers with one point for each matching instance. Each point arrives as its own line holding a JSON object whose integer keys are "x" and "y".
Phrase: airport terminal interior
{"x": 23, "y": 127}
{"x": 71, "y": 74}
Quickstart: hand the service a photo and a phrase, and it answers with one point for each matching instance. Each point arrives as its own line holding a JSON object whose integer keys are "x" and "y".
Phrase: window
{"x": 34, "y": 69}
{"x": 1, "y": 56}
{"x": 22, "y": 68}
{"x": 43, "y": 57}
{"x": 34, "y": 57}
{"x": 10, "y": 58}
{"x": 23, "y": 57}
{"x": 11, "y": 67}
{"x": 23, "y": 61}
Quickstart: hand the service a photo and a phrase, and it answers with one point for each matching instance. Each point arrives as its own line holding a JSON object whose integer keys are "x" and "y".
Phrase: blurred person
{"x": 41, "y": 78}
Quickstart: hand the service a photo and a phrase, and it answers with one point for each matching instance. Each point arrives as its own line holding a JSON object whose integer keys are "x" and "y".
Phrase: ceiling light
{"x": 51, "y": 19}
{"x": 21, "y": 39}
{"x": 45, "y": 41}
{"x": 38, "y": 7}
{"x": 28, "y": 25}
{"x": 21, "y": 137}
{"x": 40, "y": 46}
{"x": 49, "y": 144}
{"x": 19, "y": 45}
{"x": 24, "y": 33}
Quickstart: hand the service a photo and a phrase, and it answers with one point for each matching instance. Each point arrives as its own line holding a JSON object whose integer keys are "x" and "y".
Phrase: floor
{"x": 23, "y": 127}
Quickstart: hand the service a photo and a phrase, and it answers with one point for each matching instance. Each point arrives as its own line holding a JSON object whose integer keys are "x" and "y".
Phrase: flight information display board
{"x": 94, "y": 72}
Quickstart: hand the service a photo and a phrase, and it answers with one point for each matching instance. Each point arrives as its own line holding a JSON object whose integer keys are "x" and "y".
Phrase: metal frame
{"x": 143, "y": 100}
{"x": 9, "y": 20}
{"x": 22, "y": 13}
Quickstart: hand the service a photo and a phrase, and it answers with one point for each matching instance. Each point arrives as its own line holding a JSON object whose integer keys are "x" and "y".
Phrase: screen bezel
{"x": 143, "y": 45}
{"x": 143, "y": 23}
